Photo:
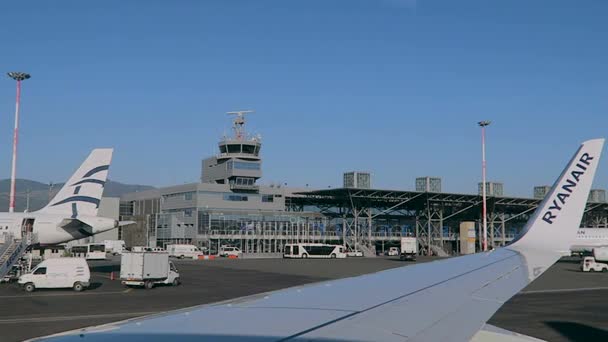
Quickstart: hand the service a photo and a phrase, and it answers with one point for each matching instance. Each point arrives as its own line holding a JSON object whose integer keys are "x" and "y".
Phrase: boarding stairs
{"x": 437, "y": 250}
{"x": 11, "y": 252}
{"x": 360, "y": 246}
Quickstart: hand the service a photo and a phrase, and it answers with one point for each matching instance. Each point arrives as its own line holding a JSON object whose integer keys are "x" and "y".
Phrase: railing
{"x": 12, "y": 255}
{"x": 234, "y": 186}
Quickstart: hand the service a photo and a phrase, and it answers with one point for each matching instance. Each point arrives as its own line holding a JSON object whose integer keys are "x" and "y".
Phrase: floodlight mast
{"x": 239, "y": 123}
{"x": 483, "y": 125}
{"x": 19, "y": 77}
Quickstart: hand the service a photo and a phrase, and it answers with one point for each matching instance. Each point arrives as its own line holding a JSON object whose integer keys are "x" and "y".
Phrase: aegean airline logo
{"x": 567, "y": 188}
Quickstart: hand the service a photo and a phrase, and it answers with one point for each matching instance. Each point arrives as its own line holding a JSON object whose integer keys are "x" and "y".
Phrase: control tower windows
{"x": 249, "y": 149}
{"x": 234, "y": 148}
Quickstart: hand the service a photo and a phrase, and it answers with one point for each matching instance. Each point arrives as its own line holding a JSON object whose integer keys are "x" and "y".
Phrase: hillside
{"x": 39, "y": 192}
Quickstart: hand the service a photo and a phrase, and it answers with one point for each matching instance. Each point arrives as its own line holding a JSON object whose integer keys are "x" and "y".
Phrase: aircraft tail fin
{"x": 555, "y": 222}
{"x": 81, "y": 194}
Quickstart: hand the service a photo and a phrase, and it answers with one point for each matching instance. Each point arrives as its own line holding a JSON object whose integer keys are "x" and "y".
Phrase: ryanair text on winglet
{"x": 566, "y": 189}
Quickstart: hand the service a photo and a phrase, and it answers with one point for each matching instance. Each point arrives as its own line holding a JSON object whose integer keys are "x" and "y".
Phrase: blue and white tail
{"x": 81, "y": 194}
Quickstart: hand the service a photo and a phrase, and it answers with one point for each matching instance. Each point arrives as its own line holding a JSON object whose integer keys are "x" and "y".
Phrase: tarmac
{"x": 564, "y": 304}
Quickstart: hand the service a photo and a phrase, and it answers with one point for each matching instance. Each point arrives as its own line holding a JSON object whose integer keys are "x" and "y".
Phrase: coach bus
{"x": 313, "y": 250}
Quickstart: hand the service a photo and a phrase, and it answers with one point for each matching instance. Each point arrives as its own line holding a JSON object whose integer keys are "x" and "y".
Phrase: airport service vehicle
{"x": 147, "y": 269}
{"x": 57, "y": 273}
{"x": 72, "y": 213}
{"x": 227, "y": 251}
{"x": 184, "y": 251}
{"x": 13, "y": 274}
{"x": 393, "y": 251}
{"x": 354, "y": 254}
{"x": 313, "y": 250}
{"x": 589, "y": 264}
{"x": 409, "y": 248}
{"x": 90, "y": 251}
{"x": 445, "y": 300}
{"x": 114, "y": 246}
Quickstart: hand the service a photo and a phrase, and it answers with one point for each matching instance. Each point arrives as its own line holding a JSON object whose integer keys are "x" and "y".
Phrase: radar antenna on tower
{"x": 239, "y": 123}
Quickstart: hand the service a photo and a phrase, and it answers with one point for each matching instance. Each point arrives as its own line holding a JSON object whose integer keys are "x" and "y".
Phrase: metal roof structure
{"x": 363, "y": 211}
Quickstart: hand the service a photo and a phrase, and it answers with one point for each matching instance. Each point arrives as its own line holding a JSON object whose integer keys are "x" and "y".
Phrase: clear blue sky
{"x": 394, "y": 87}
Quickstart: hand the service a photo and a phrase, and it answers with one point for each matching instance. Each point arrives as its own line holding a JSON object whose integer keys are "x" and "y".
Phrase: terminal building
{"x": 226, "y": 207}
{"x": 229, "y": 207}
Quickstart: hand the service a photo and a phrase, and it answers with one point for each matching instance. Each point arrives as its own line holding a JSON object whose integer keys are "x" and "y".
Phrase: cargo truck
{"x": 409, "y": 248}
{"x": 147, "y": 269}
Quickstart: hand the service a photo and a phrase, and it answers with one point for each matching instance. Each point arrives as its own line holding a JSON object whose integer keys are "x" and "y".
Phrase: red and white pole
{"x": 17, "y": 76}
{"x": 484, "y": 238}
{"x": 483, "y": 187}
{"x": 11, "y": 207}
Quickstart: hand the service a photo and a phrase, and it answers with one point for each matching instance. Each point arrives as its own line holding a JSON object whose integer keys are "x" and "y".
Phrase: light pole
{"x": 483, "y": 125}
{"x": 17, "y": 76}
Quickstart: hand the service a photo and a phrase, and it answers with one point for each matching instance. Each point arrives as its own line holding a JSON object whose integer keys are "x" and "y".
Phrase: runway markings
{"x": 74, "y": 318}
{"x": 580, "y": 289}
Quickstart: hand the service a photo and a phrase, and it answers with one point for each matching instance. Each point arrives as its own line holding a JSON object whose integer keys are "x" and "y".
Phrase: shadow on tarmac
{"x": 578, "y": 332}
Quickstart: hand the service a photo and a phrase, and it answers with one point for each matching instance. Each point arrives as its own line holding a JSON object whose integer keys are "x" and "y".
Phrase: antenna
{"x": 239, "y": 122}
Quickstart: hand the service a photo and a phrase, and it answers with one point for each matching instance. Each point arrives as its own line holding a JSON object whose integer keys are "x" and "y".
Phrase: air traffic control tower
{"x": 238, "y": 163}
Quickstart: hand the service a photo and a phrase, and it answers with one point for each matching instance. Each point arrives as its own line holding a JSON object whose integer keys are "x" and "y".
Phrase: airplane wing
{"x": 447, "y": 300}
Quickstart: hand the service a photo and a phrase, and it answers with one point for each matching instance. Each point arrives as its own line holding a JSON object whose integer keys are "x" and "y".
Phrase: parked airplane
{"x": 447, "y": 300}
{"x": 589, "y": 238}
{"x": 72, "y": 214}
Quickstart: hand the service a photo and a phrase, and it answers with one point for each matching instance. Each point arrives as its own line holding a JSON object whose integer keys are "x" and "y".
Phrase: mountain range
{"x": 40, "y": 193}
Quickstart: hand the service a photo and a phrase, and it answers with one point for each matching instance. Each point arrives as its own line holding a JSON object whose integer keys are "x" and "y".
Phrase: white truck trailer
{"x": 409, "y": 248}
{"x": 147, "y": 269}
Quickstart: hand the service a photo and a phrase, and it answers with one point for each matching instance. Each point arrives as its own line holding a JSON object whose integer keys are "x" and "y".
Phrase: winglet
{"x": 82, "y": 193}
{"x": 555, "y": 222}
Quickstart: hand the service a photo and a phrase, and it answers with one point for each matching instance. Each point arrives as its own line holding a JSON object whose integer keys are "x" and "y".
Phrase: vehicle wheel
{"x": 29, "y": 287}
{"x": 605, "y": 270}
{"x": 591, "y": 270}
{"x": 304, "y": 256}
{"x": 148, "y": 285}
{"x": 333, "y": 255}
{"x": 175, "y": 282}
{"x": 181, "y": 257}
{"x": 78, "y": 287}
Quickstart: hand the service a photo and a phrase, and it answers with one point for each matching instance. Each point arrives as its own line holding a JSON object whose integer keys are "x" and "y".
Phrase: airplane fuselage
{"x": 51, "y": 229}
{"x": 589, "y": 238}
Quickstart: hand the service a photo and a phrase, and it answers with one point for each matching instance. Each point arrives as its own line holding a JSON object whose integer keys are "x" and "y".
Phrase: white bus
{"x": 314, "y": 250}
{"x": 91, "y": 251}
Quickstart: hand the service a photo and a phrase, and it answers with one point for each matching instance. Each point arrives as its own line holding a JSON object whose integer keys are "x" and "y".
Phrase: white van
{"x": 184, "y": 251}
{"x": 58, "y": 273}
{"x": 226, "y": 251}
